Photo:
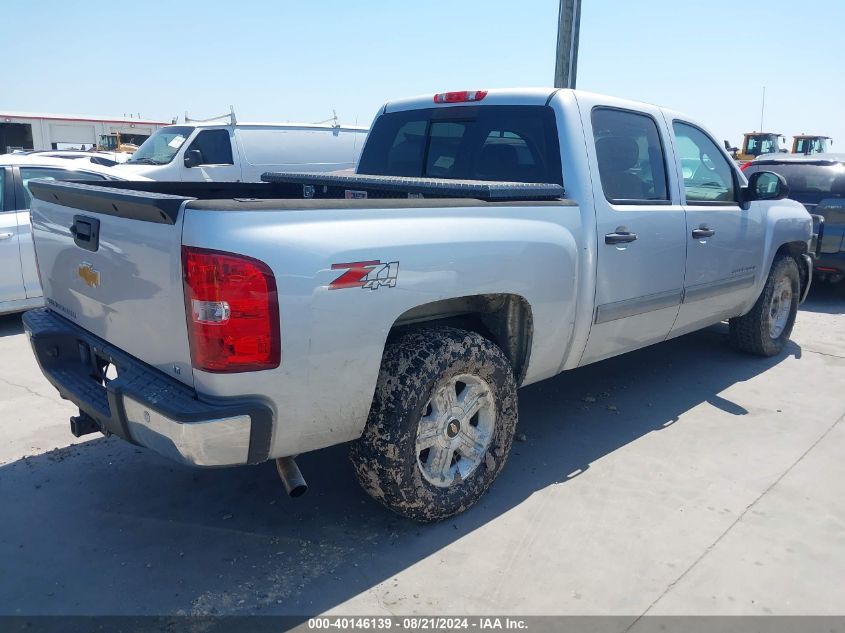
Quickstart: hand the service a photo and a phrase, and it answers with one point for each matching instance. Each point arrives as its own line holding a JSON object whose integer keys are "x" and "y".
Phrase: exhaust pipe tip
{"x": 291, "y": 477}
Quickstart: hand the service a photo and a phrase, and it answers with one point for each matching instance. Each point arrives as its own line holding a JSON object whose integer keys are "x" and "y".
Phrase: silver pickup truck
{"x": 488, "y": 240}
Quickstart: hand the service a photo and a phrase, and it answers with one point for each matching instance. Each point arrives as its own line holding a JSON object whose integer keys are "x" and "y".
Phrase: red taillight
{"x": 460, "y": 97}
{"x": 744, "y": 166}
{"x": 233, "y": 311}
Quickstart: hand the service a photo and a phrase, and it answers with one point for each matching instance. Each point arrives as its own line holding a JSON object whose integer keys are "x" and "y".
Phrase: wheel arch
{"x": 505, "y": 319}
{"x": 796, "y": 250}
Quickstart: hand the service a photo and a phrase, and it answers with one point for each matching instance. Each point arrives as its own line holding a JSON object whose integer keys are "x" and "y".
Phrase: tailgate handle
{"x": 86, "y": 232}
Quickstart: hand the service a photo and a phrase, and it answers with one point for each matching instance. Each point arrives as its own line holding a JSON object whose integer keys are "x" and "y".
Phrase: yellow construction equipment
{"x": 112, "y": 143}
{"x": 756, "y": 143}
{"x": 810, "y": 144}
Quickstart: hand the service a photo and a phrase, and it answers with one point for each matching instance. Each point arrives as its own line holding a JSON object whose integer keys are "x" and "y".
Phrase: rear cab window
{"x": 500, "y": 143}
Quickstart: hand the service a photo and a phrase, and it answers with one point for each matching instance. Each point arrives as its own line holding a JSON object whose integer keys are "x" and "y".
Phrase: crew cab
{"x": 19, "y": 286}
{"x": 487, "y": 241}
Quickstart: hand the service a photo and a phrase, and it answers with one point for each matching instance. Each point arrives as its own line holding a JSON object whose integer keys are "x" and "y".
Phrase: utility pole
{"x": 568, "y": 26}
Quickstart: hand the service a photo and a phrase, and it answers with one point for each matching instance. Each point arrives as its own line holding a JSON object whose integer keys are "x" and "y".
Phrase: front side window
{"x": 161, "y": 146}
{"x": 708, "y": 176}
{"x": 214, "y": 146}
{"x": 2, "y": 186}
{"x": 630, "y": 156}
{"x": 501, "y": 143}
{"x": 52, "y": 173}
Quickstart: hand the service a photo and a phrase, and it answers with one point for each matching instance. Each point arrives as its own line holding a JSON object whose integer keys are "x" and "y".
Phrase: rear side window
{"x": 630, "y": 156}
{"x": 501, "y": 143}
{"x": 215, "y": 147}
{"x": 30, "y": 173}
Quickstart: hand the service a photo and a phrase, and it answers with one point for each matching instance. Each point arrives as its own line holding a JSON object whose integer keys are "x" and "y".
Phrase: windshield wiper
{"x": 145, "y": 161}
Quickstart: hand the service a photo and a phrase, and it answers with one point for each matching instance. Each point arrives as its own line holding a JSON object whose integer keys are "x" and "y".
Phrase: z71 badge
{"x": 371, "y": 275}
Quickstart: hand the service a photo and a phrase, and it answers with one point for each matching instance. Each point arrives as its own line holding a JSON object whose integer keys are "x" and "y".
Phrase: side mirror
{"x": 766, "y": 185}
{"x": 193, "y": 157}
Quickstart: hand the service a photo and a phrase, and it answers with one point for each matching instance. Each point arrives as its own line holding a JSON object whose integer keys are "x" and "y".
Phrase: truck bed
{"x": 306, "y": 186}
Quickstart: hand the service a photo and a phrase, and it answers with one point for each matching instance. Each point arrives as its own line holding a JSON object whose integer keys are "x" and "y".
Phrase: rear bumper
{"x": 143, "y": 405}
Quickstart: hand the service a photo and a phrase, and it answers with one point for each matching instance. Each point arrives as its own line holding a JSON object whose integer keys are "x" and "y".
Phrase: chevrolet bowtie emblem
{"x": 87, "y": 274}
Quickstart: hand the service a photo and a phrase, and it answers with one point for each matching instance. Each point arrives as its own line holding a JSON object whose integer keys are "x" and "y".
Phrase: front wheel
{"x": 766, "y": 328}
{"x": 441, "y": 423}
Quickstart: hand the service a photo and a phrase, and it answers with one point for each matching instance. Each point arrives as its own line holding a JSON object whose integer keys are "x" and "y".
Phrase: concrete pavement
{"x": 680, "y": 479}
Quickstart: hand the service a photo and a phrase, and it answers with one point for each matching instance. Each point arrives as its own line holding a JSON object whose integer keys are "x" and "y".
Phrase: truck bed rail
{"x": 334, "y": 185}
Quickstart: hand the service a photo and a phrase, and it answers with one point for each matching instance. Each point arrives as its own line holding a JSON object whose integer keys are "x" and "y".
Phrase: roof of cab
{"x": 502, "y": 96}
{"x": 782, "y": 157}
{"x": 507, "y": 96}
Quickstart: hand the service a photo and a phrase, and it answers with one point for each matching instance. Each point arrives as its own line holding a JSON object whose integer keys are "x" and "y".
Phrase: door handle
{"x": 5, "y": 236}
{"x": 622, "y": 237}
{"x": 703, "y": 232}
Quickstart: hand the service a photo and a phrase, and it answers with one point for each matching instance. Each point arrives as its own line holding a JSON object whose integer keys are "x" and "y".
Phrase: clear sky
{"x": 296, "y": 61}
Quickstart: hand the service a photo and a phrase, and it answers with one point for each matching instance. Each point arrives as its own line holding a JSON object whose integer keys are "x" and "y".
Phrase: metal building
{"x": 41, "y": 131}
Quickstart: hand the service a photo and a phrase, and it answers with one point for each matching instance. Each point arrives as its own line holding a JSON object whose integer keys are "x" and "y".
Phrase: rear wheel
{"x": 766, "y": 328}
{"x": 441, "y": 423}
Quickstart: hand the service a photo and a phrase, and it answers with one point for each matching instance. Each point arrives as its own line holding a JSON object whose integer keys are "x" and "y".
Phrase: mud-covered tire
{"x": 752, "y": 332}
{"x": 415, "y": 367}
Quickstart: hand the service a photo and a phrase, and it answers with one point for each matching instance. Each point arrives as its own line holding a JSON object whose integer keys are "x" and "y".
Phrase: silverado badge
{"x": 87, "y": 273}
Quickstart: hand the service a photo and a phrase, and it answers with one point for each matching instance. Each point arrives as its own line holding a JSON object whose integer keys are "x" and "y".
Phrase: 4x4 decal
{"x": 371, "y": 275}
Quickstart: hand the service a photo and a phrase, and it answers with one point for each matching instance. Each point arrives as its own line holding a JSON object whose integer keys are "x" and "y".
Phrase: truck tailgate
{"x": 110, "y": 261}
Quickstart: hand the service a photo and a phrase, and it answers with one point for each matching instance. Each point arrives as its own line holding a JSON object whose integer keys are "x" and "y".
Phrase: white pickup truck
{"x": 488, "y": 240}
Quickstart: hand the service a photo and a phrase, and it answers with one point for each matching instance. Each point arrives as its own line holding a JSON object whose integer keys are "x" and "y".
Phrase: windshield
{"x": 810, "y": 146}
{"x": 502, "y": 143}
{"x": 162, "y": 146}
{"x": 108, "y": 142}
{"x": 758, "y": 145}
{"x": 769, "y": 145}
